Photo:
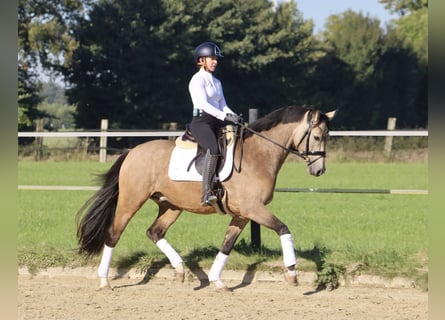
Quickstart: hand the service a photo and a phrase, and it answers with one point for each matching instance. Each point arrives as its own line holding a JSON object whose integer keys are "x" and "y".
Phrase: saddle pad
{"x": 185, "y": 144}
{"x": 180, "y": 159}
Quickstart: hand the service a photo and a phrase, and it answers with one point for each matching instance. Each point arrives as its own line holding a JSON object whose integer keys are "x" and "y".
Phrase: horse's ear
{"x": 314, "y": 116}
{"x": 331, "y": 114}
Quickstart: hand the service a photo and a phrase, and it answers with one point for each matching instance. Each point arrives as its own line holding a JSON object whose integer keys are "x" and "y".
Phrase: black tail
{"x": 92, "y": 227}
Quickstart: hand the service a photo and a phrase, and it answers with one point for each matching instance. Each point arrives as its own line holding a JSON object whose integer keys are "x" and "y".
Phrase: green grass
{"x": 379, "y": 233}
{"x": 80, "y": 173}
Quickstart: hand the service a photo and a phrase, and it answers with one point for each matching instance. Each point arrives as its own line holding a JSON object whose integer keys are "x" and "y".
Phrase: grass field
{"x": 384, "y": 234}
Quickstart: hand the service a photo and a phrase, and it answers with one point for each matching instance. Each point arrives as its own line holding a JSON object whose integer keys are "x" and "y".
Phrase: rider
{"x": 210, "y": 110}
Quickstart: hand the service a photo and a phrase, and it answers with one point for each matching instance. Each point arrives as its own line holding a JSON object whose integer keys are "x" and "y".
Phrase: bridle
{"x": 295, "y": 151}
{"x": 305, "y": 155}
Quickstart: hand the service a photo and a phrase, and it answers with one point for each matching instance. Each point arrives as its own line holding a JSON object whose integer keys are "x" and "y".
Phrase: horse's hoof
{"x": 104, "y": 288}
{"x": 224, "y": 289}
{"x": 104, "y": 285}
{"x": 180, "y": 276}
{"x": 291, "y": 279}
{"x": 221, "y": 287}
{"x": 180, "y": 272}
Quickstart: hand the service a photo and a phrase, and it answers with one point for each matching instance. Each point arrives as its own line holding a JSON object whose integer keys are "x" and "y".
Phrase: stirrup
{"x": 208, "y": 199}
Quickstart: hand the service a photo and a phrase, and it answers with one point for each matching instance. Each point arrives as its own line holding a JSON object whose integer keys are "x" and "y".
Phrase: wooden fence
{"x": 103, "y": 134}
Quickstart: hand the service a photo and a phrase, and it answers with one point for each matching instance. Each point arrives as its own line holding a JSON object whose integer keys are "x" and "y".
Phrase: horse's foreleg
{"x": 233, "y": 231}
{"x": 166, "y": 217}
{"x": 264, "y": 217}
{"x": 289, "y": 258}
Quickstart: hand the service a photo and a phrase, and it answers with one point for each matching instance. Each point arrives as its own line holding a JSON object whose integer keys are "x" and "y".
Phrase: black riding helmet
{"x": 207, "y": 49}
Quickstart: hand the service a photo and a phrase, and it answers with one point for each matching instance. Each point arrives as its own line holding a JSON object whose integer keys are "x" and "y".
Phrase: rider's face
{"x": 211, "y": 63}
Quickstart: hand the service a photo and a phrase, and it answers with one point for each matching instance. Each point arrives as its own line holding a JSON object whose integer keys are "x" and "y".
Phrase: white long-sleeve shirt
{"x": 207, "y": 95}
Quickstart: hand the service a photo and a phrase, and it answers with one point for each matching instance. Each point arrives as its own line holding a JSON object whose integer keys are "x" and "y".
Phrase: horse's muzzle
{"x": 320, "y": 172}
{"x": 316, "y": 168}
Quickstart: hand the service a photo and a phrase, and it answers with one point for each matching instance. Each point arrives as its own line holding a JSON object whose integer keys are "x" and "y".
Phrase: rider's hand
{"x": 234, "y": 118}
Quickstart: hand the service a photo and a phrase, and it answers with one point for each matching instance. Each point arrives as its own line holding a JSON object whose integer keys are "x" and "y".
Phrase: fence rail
{"x": 80, "y": 134}
{"x": 290, "y": 190}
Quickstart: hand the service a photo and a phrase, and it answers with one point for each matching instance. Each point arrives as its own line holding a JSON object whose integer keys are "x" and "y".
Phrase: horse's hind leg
{"x": 166, "y": 217}
{"x": 125, "y": 211}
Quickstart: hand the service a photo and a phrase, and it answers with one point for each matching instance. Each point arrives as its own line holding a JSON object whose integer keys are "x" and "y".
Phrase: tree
{"x": 44, "y": 40}
{"x": 123, "y": 65}
{"x": 412, "y": 26}
{"x": 354, "y": 42}
{"x": 130, "y": 60}
{"x": 44, "y": 32}
{"x": 59, "y": 115}
{"x": 135, "y": 58}
{"x": 403, "y": 7}
{"x": 28, "y": 100}
{"x": 267, "y": 53}
{"x": 410, "y": 36}
{"x": 355, "y": 39}
{"x": 373, "y": 75}
{"x": 402, "y": 84}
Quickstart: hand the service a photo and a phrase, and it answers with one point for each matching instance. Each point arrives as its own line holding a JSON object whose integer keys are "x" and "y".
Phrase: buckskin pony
{"x": 141, "y": 173}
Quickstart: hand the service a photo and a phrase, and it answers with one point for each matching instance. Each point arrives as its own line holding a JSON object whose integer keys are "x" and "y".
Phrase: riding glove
{"x": 232, "y": 117}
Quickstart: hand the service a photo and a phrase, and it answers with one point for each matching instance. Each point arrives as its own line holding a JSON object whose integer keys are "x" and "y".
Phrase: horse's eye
{"x": 317, "y": 138}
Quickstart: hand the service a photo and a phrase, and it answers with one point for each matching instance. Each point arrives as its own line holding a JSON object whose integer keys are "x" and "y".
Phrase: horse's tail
{"x": 92, "y": 227}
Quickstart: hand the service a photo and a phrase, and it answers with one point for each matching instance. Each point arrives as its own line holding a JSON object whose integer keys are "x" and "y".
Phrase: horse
{"x": 141, "y": 173}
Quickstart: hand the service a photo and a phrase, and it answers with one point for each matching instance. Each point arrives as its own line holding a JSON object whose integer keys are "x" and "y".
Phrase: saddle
{"x": 225, "y": 137}
{"x": 187, "y": 158}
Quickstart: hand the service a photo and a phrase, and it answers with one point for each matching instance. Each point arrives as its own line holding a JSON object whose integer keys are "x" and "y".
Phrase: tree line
{"x": 130, "y": 60}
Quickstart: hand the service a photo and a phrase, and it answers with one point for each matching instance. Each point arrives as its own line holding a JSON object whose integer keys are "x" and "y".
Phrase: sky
{"x": 319, "y": 10}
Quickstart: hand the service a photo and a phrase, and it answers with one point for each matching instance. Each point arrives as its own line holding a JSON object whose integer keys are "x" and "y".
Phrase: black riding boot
{"x": 208, "y": 174}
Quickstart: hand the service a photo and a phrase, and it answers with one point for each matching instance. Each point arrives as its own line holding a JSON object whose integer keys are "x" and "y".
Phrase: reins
{"x": 303, "y": 155}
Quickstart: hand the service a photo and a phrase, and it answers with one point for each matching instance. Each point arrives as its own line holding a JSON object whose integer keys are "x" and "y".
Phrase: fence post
{"x": 172, "y": 126}
{"x": 103, "y": 141}
{"x": 388, "y": 140}
{"x": 255, "y": 230}
{"x": 39, "y": 141}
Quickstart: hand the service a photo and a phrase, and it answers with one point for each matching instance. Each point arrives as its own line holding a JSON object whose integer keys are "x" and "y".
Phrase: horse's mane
{"x": 283, "y": 115}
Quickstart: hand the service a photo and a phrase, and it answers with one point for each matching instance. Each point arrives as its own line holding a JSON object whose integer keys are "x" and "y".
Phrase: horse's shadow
{"x": 125, "y": 263}
{"x": 193, "y": 262}
{"x": 316, "y": 255}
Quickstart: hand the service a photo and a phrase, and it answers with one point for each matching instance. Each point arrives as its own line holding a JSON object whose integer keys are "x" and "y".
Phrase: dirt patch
{"x": 76, "y": 297}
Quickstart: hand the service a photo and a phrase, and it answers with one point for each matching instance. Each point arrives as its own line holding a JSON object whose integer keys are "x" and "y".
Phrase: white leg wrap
{"x": 217, "y": 266}
{"x": 287, "y": 243}
{"x": 105, "y": 262}
{"x": 170, "y": 252}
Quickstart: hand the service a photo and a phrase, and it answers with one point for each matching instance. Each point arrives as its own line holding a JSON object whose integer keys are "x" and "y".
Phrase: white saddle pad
{"x": 181, "y": 158}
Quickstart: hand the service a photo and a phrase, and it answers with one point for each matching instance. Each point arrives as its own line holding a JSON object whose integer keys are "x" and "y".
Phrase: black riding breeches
{"x": 204, "y": 128}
